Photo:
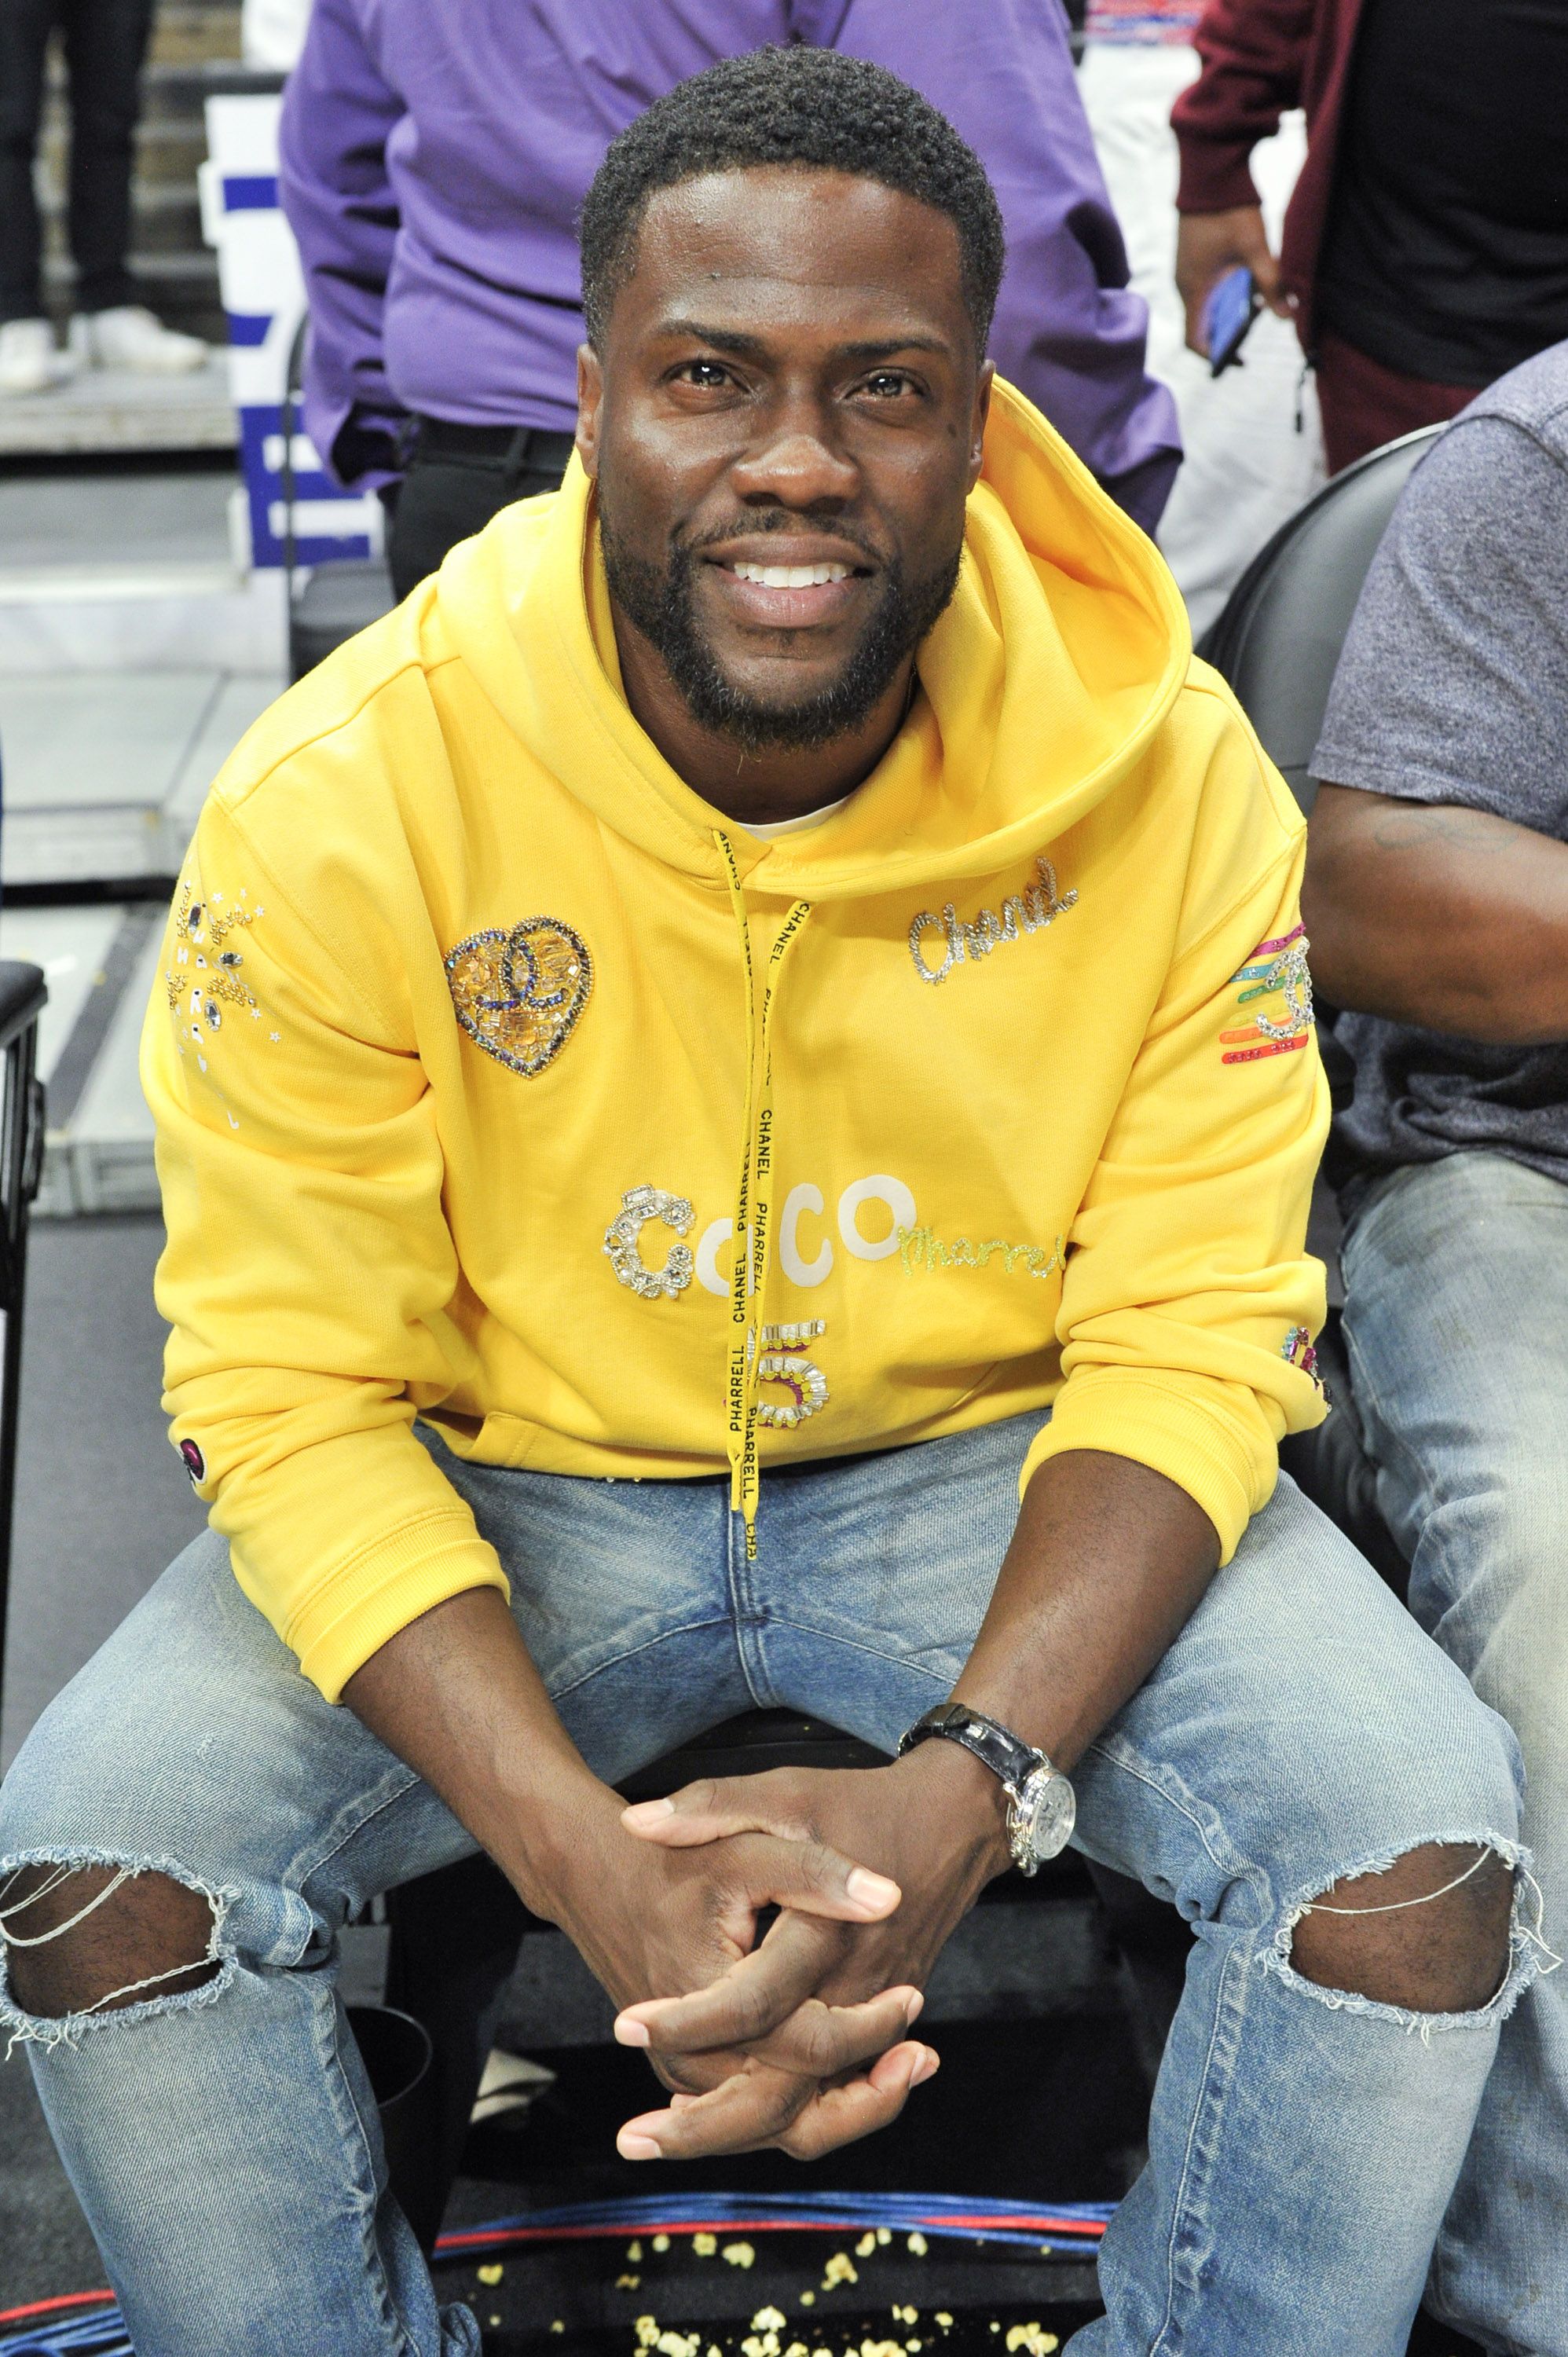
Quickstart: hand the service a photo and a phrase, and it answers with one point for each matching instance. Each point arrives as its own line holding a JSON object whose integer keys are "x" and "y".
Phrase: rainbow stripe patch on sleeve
{"x": 1276, "y": 970}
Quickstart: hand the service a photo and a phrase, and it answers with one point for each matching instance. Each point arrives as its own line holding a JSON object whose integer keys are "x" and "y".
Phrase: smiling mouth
{"x": 789, "y": 576}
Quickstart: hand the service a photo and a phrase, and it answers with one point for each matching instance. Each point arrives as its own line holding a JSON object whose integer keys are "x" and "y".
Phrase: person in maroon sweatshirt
{"x": 1425, "y": 250}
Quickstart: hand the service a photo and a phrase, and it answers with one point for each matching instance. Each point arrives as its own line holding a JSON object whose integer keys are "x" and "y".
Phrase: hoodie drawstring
{"x": 754, "y": 1200}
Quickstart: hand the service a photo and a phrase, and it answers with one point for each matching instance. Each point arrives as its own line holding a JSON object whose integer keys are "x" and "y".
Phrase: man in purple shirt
{"x": 435, "y": 155}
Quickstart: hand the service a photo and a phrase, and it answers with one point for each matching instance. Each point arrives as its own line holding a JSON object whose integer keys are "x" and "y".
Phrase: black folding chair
{"x": 1278, "y": 643}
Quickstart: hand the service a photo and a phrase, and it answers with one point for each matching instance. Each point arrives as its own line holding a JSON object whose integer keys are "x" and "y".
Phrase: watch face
{"x": 1044, "y": 1815}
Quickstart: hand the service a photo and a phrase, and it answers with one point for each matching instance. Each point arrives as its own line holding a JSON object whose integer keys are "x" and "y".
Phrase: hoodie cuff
{"x": 380, "y": 1591}
{"x": 1166, "y": 1424}
{"x": 1214, "y": 179}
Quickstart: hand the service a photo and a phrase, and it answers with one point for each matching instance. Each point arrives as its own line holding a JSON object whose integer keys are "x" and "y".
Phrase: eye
{"x": 887, "y": 384}
{"x": 707, "y": 375}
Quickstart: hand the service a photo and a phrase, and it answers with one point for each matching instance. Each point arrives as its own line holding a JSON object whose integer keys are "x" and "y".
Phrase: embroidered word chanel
{"x": 920, "y": 1248}
{"x": 639, "y": 1205}
{"x": 1022, "y": 913}
{"x": 1276, "y": 968}
{"x": 518, "y": 994}
{"x": 782, "y": 1362}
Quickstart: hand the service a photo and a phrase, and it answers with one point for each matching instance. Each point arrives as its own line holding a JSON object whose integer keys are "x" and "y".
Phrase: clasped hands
{"x": 799, "y": 2040}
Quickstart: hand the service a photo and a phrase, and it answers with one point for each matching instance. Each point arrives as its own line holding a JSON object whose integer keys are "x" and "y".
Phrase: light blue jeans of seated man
{"x": 1304, "y": 2145}
{"x": 1456, "y": 1323}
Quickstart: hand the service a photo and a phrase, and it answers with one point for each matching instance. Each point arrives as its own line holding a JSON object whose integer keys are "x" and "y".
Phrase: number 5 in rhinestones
{"x": 782, "y": 1362}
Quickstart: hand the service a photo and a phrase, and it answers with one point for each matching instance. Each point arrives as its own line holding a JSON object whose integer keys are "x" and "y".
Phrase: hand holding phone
{"x": 1232, "y": 304}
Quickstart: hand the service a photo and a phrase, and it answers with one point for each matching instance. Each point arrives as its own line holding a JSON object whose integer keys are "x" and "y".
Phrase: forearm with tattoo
{"x": 1439, "y": 916}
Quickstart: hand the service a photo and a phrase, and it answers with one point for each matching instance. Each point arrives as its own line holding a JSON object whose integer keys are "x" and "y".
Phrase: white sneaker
{"x": 29, "y": 359}
{"x": 129, "y": 337}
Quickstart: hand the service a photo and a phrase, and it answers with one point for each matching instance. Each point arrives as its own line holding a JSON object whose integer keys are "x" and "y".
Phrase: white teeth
{"x": 792, "y": 576}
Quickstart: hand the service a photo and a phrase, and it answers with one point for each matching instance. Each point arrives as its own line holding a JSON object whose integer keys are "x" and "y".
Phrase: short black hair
{"x": 801, "y": 106}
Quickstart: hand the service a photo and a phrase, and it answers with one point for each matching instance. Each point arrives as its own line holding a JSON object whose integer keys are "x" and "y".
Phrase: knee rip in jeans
{"x": 1431, "y": 1957}
{"x": 86, "y": 1935}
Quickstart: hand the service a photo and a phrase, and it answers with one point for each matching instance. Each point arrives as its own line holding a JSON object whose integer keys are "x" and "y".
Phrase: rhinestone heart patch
{"x": 518, "y": 994}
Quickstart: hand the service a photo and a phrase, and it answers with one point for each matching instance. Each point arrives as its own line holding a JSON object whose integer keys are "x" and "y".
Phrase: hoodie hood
{"x": 1063, "y": 648}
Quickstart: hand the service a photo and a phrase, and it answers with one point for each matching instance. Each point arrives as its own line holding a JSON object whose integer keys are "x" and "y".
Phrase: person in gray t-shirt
{"x": 1447, "y": 932}
{"x": 1436, "y": 901}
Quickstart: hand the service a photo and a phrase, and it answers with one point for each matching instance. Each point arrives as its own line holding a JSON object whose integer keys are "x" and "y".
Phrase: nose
{"x": 797, "y": 467}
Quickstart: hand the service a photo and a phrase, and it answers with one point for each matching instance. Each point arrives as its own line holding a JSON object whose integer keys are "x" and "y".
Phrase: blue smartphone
{"x": 1232, "y": 304}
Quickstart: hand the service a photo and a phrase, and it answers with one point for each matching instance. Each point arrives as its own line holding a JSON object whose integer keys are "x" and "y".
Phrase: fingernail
{"x": 915, "y": 2006}
{"x": 632, "y": 2033}
{"x": 868, "y": 1890}
{"x": 647, "y": 1813}
{"x": 926, "y": 2068}
{"x": 635, "y": 2147}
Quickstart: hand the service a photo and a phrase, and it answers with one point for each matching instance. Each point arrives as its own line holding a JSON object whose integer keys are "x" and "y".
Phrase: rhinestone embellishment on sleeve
{"x": 205, "y": 976}
{"x": 518, "y": 992}
{"x": 638, "y": 1206}
{"x": 1276, "y": 970}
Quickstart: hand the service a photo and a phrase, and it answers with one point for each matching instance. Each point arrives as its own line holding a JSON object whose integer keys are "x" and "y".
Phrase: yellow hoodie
{"x": 481, "y": 1035}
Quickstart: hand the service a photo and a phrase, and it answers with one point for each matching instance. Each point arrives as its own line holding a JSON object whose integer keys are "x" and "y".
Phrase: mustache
{"x": 785, "y": 523}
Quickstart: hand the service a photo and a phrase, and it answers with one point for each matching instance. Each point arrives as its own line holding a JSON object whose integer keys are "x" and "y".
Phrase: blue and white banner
{"x": 263, "y": 294}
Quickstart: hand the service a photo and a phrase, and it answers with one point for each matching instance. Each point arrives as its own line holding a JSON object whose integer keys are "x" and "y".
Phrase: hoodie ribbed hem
{"x": 380, "y": 1591}
{"x": 1127, "y": 1413}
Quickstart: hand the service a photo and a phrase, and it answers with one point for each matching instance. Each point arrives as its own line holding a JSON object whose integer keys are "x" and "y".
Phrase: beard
{"x": 660, "y": 603}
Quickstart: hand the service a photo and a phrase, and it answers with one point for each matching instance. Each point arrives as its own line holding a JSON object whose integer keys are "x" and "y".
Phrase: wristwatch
{"x": 1041, "y": 1804}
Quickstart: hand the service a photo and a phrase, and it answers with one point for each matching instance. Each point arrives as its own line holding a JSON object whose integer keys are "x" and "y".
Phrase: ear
{"x": 977, "y": 422}
{"x": 590, "y": 395}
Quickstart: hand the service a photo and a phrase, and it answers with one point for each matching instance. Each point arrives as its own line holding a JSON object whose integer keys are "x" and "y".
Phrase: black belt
{"x": 517, "y": 449}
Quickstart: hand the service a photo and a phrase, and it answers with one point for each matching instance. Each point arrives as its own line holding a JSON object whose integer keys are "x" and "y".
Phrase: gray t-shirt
{"x": 1453, "y": 687}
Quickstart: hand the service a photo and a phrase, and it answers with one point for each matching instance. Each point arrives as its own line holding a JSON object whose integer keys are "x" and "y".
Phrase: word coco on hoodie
{"x": 640, "y": 1205}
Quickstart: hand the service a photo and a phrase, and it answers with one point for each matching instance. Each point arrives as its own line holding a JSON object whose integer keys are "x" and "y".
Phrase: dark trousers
{"x": 1365, "y": 404}
{"x": 105, "y": 44}
{"x": 458, "y": 478}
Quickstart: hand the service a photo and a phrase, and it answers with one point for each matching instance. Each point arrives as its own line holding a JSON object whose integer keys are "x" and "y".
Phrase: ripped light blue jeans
{"x": 1304, "y": 2145}
{"x": 1457, "y": 1324}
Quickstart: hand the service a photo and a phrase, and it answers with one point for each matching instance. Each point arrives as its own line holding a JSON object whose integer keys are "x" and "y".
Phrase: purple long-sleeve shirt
{"x": 436, "y": 152}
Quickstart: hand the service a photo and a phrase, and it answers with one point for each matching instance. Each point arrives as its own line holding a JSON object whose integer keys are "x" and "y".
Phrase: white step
{"x": 105, "y": 772}
{"x": 104, "y": 410}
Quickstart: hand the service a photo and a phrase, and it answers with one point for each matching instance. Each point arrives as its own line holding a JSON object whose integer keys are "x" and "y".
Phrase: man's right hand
{"x": 1208, "y": 245}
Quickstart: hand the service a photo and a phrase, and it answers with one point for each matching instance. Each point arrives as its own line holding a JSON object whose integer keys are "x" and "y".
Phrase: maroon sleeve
{"x": 1254, "y": 57}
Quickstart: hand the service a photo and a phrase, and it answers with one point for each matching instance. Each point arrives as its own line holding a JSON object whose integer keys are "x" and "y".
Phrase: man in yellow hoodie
{"x": 757, "y": 1020}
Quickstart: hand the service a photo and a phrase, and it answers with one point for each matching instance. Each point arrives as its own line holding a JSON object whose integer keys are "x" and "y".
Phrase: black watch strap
{"x": 1007, "y": 1759}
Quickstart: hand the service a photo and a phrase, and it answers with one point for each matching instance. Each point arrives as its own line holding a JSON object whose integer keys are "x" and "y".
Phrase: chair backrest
{"x": 1278, "y": 640}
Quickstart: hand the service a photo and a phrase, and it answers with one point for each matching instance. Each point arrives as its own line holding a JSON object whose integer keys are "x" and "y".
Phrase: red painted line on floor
{"x": 1091, "y": 2230}
{"x": 52, "y": 2306}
